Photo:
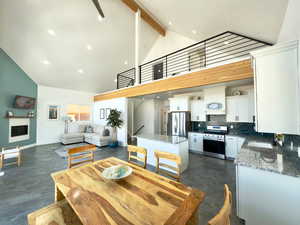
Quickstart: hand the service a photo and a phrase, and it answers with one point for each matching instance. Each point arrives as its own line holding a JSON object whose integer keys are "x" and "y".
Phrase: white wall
{"x": 120, "y": 104}
{"x": 290, "y": 29}
{"x": 50, "y": 131}
{"x": 168, "y": 44}
{"x": 144, "y": 114}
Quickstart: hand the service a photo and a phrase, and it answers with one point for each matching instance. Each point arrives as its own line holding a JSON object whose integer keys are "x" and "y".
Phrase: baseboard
{"x": 28, "y": 146}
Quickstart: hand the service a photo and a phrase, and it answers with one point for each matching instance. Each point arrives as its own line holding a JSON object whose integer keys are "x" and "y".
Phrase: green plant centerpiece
{"x": 114, "y": 121}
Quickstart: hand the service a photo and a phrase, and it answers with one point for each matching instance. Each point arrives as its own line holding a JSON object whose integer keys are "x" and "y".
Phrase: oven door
{"x": 214, "y": 148}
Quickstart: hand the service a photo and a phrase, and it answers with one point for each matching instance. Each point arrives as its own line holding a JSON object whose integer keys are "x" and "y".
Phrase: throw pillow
{"x": 89, "y": 129}
{"x": 106, "y": 132}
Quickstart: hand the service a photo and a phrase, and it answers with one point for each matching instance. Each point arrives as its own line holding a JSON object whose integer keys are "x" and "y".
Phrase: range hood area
{"x": 214, "y": 100}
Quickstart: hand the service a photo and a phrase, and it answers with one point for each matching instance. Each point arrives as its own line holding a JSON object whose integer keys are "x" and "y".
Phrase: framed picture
{"x": 107, "y": 112}
{"x": 53, "y": 112}
{"x": 102, "y": 114}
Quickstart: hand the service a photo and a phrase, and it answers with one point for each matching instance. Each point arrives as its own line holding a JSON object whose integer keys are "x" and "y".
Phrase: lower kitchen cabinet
{"x": 233, "y": 145}
{"x": 267, "y": 198}
{"x": 196, "y": 142}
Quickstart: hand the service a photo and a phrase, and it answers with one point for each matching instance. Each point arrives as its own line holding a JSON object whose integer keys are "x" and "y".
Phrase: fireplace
{"x": 18, "y": 129}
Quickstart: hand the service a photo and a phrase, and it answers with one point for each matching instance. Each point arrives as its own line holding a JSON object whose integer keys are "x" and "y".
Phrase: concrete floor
{"x": 30, "y": 187}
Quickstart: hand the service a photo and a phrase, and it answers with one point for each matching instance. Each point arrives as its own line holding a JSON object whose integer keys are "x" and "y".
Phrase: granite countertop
{"x": 282, "y": 160}
{"x": 163, "y": 138}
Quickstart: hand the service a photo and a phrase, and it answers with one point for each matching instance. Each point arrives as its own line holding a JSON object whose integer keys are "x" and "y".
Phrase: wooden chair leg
{"x": 1, "y": 161}
{"x": 69, "y": 162}
{"x": 19, "y": 160}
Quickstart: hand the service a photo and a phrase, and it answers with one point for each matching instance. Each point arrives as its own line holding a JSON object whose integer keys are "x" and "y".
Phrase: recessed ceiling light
{"x": 80, "y": 71}
{"x": 89, "y": 47}
{"x": 46, "y": 62}
{"x": 51, "y": 32}
{"x": 194, "y": 31}
{"x": 170, "y": 23}
{"x": 226, "y": 42}
{"x": 100, "y": 18}
{"x": 126, "y": 62}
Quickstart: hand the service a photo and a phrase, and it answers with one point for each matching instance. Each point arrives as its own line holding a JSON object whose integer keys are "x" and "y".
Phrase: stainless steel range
{"x": 214, "y": 141}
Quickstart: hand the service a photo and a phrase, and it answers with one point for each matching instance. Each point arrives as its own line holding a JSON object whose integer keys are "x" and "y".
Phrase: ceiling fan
{"x": 98, "y": 7}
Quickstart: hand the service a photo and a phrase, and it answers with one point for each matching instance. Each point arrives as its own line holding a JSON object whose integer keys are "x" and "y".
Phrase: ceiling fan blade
{"x": 96, "y": 3}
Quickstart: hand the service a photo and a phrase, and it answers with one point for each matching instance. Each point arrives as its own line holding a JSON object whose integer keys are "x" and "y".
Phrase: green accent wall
{"x": 14, "y": 81}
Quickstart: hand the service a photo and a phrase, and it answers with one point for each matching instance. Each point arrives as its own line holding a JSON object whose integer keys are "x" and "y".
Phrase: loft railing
{"x": 126, "y": 78}
{"x": 212, "y": 51}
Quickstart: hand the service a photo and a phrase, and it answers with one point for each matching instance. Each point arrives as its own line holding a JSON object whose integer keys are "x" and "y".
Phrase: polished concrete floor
{"x": 30, "y": 187}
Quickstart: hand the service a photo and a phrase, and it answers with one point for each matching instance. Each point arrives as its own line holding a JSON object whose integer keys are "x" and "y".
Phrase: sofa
{"x": 93, "y": 134}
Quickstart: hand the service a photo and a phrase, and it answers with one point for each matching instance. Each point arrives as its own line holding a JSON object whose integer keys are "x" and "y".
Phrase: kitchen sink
{"x": 256, "y": 144}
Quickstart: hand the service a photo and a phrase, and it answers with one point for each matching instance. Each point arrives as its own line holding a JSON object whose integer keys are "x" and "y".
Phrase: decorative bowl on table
{"x": 117, "y": 172}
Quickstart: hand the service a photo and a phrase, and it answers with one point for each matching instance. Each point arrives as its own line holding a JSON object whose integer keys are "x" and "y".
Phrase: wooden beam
{"x": 145, "y": 16}
{"x": 230, "y": 72}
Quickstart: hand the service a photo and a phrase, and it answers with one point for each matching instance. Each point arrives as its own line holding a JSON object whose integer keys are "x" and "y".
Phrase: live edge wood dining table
{"x": 143, "y": 198}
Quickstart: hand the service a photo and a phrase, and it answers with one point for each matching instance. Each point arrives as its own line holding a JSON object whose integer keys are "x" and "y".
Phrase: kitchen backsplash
{"x": 242, "y": 128}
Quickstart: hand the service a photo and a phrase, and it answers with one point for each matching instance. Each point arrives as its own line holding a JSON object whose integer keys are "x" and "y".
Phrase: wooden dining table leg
{"x": 194, "y": 220}
{"x": 58, "y": 194}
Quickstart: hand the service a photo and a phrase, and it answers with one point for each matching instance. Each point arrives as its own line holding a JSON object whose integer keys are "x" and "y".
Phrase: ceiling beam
{"x": 145, "y": 16}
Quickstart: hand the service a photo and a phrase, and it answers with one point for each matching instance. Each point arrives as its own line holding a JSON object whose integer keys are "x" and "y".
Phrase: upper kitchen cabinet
{"x": 214, "y": 99}
{"x": 276, "y": 77}
{"x": 179, "y": 104}
{"x": 198, "y": 110}
{"x": 240, "y": 108}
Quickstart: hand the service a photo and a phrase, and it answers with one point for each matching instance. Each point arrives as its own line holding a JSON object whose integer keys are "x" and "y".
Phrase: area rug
{"x": 62, "y": 151}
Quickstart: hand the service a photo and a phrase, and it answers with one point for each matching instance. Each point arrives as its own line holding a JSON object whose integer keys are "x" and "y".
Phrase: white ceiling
{"x": 24, "y": 34}
{"x": 259, "y": 19}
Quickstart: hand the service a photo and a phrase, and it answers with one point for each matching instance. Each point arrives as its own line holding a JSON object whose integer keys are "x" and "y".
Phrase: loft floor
{"x": 30, "y": 187}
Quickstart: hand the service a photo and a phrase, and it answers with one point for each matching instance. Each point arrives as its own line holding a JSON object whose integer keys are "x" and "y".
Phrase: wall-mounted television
{"x": 22, "y": 102}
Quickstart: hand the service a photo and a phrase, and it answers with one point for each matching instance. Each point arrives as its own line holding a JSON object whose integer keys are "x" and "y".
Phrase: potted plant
{"x": 114, "y": 121}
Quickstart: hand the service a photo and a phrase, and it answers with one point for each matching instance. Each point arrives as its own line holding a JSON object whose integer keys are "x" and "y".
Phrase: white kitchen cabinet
{"x": 198, "y": 110}
{"x": 267, "y": 198}
{"x": 196, "y": 142}
{"x": 239, "y": 109}
{"x": 179, "y": 104}
{"x": 233, "y": 145}
{"x": 276, "y": 78}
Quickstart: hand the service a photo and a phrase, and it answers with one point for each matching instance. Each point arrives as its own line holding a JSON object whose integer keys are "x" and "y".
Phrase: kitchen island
{"x": 268, "y": 183}
{"x": 171, "y": 144}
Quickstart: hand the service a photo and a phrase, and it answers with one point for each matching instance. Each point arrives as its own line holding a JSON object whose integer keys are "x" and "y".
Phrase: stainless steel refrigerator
{"x": 179, "y": 123}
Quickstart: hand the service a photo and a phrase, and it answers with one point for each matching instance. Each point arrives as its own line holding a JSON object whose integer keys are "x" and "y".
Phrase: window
{"x": 79, "y": 112}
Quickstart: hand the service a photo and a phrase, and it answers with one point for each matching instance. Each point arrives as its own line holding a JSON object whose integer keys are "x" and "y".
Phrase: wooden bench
{"x": 59, "y": 213}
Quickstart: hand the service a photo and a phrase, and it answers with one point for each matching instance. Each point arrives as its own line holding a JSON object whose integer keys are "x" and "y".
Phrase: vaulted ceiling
{"x": 62, "y": 43}
{"x": 200, "y": 19}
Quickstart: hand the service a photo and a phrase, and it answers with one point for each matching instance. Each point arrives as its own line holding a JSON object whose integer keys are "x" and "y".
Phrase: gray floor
{"x": 30, "y": 187}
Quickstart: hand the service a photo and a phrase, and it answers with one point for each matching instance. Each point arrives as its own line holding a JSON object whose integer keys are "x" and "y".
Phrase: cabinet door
{"x": 195, "y": 110}
{"x": 277, "y": 89}
{"x": 192, "y": 141}
{"x": 240, "y": 142}
{"x": 202, "y": 112}
{"x": 230, "y": 109}
{"x": 199, "y": 142}
{"x": 242, "y": 107}
{"x": 251, "y": 105}
{"x": 231, "y": 146}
